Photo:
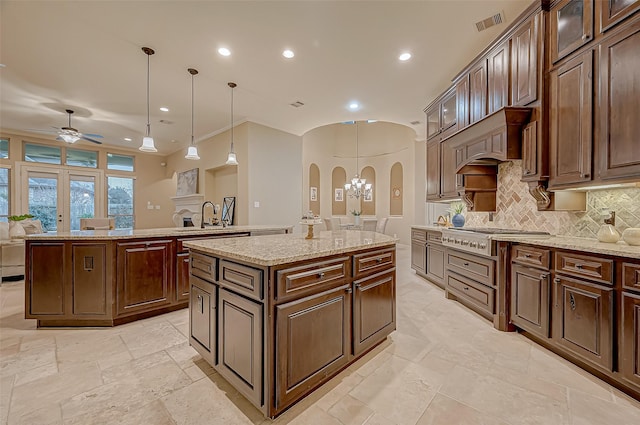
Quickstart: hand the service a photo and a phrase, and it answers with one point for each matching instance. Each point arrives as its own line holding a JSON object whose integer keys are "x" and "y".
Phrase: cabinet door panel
{"x": 433, "y": 170}
{"x": 374, "y": 310}
{"x": 619, "y": 103}
{"x": 630, "y": 340}
{"x": 435, "y": 264}
{"x": 571, "y": 26}
{"x": 418, "y": 256}
{"x": 89, "y": 279}
{"x": 571, "y": 122}
{"x": 312, "y": 342}
{"x": 498, "y": 78}
{"x": 182, "y": 277}
{"x": 478, "y": 92}
{"x": 524, "y": 63}
{"x": 614, "y": 11}
{"x": 46, "y": 280}
{"x": 462, "y": 99}
{"x": 433, "y": 121}
{"x": 530, "y": 150}
{"x": 448, "y": 178}
{"x": 530, "y": 302}
{"x": 449, "y": 112}
{"x": 583, "y": 320}
{"x": 202, "y": 305}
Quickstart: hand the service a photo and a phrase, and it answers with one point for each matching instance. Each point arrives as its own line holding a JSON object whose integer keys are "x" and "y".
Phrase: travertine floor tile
{"x": 350, "y": 411}
{"x": 590, "y": 410}
{"x": 446, "y": 411}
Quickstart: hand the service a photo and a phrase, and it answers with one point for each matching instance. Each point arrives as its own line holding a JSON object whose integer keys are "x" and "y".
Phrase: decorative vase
{"x": 458, "y": 220}
{"x": 356, "y": 220}
{"x": 608, "y": 234}
{"x": 632, "y": 236}
{"x": 16, "y": 230}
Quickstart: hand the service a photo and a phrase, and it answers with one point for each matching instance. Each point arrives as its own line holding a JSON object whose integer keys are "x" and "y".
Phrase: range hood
{"x": 480, "y": 147}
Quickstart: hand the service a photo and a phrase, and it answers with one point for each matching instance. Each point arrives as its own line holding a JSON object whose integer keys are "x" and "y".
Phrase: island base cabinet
{"x": 312, "y": 343}
{"x": 583, "y": 320}
{"x": 203, "y": 319}
{"x": 630, "y": 340}
{"x": 240, "y": 344}
{"x": 374, "y": 312}
{"x": 90, "y": 294}
{"x": 45, "y": 281}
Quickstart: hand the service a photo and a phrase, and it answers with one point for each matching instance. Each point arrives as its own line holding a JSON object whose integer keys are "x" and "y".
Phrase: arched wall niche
{"x": 339, "y": 202}
{"x": 368, "y": 204}
{"x": 396, "y": 196}
{"x": 314, "y": 189}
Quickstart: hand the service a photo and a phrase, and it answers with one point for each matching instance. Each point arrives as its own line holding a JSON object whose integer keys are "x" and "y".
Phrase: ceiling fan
{"x": 72, "y": 135}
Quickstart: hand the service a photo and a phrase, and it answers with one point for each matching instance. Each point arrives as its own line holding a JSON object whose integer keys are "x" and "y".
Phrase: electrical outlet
{"x": 256, "y": 204}
{"x": 149, "y": 207}
{"x": 157, "y": 207}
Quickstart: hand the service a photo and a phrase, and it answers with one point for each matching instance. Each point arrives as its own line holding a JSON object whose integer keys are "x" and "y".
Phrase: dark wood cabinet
{"x": 182, "y": 276}
{"x": 618, "y": 105}
{"x": 374, "y": 310}
{"x": 614, "y": 11}
{"x": 203, "y": 318}
{"x": 433, "y": 121}
{"x": 312, "y": 341}
{"x": 90, "y": 288}
{"x": 418, "y": 250}
{"x": 571, "y": 26}
{"x": 450, "y": 181}
{"x": 462, "y": 99}
{"x": 530, "y": 299}
{"x": 448, "y": 111}
{"x": 583, "y": 320}
{"x": 45, "y": 280}
{"x": 498, "y": 78}
{"x": 241, "y": 344}
{"x": 524, "y": 62}
{"x": 530, "y": 158}
{"x": 145, "y": 273}
{"x": 433, "y": 170}
{"x": 629, "y": 355}
{"x": 478, "y": 91}
{"x": 435, "y": 263}
{"x": 571, "y": 121}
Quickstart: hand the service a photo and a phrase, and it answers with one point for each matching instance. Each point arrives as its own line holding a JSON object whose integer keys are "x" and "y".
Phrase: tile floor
{"x": 443, "y": 366}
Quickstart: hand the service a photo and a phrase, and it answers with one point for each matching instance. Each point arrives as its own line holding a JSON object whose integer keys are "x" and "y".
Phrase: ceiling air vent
{"x": 415, "y": 122}
{"x": 165, "y": 122}
{"x": 490, "y": 21}
{"x": 297, "y": 104}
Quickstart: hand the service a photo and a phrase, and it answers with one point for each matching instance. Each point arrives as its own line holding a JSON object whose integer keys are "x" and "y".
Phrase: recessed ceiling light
{"x": 2, "y": 65}
{"x": 164, "y": 109}
{"x": 127, "y": 139}
{"x": 224, "y": 51}
{"x": 353, "y": 106}
{"x": 405, "y": 56}
{"x": 370, "y": 121}
{"x": 288, "y": 54}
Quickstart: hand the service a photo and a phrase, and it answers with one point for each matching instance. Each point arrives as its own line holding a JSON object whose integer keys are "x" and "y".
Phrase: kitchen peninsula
{"x": 277, "y": 316}
{"x": 110, "y": 277}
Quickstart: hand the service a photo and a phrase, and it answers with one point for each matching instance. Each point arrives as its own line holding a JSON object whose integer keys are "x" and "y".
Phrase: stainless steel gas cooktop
{"x": 479, "y": 240}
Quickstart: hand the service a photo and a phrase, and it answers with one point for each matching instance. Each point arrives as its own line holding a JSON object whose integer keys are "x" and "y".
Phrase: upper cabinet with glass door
{"x": 571, "y": 26}
{"x": 614, "y": 11}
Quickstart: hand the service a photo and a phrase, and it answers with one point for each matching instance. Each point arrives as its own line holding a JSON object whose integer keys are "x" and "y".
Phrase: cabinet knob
{"x": 544, "y": 276}
{"x": 379, "y": 260}
{"x": 578, "y": 266}
{"x": 349, "y": 290}
{"x": 321, "y": 275}
{"x": 466, "y": 288}
{"x": 465, "y": 264}
{"x": 556, "y": 280}
{"x": 527, "y": 255}
{"x": 584, "y": 175}
{"x": 585, "y": 37}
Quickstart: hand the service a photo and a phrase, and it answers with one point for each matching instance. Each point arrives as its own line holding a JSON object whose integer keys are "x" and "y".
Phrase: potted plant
{"x": 15, "y": 228}
{"x": 458, "y": 218}
{"x": 356, "y": 217}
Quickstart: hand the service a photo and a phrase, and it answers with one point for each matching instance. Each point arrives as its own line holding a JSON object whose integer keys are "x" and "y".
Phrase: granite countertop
{"x": 620, "y": 249}
{"x": 153, "y": 233}
{"x": 432, "y": 227}
{"x": 281, "y": 249}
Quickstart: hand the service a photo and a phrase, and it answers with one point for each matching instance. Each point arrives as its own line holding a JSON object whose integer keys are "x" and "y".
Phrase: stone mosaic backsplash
{"x": 517, "y": 209}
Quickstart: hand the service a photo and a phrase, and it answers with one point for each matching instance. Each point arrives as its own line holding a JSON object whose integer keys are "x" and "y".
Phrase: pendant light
{"x": 147, "y": 141}
{"x": 192, "y": 152}
{"x": 231, "y": 159}
{"x": 358, "y": 186}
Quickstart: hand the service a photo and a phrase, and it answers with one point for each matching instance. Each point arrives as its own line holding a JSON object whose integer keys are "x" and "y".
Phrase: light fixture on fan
{"x": 231, "y": 159}
{"x": 147, "y": 141}
{"x": 358, "y": 186}
{"x": 192, "y": 152}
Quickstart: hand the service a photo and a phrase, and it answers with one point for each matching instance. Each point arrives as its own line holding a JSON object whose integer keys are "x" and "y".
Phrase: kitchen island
{"x": 278, "y": 316}
{"x": 109, "y": 277}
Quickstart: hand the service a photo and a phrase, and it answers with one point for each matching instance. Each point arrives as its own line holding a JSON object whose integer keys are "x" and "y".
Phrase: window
{"x": 120, "y": 201}
{"x": 79, "y": 158}
{"x": 4, "y": 193}
{"x": 42, "y": 153}
{"x": 4, "y": 148}
{"x": 119, "y": 162}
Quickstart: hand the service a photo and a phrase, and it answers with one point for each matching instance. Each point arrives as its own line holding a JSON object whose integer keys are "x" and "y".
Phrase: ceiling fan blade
{"x": 93, "y": 136}
{"x": 89, "y": 139}
{"x": 41, "y": 131}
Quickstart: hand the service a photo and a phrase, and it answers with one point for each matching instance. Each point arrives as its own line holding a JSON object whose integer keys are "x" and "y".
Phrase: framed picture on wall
{"x": 313, "y": 193}
{"x": 187, "y": 182}
{"x": 368, "y": 196}
{"x": 339, "y": 195}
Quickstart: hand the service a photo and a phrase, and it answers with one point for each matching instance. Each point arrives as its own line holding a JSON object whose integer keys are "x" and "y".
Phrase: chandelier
{"x": 358, "y": 186}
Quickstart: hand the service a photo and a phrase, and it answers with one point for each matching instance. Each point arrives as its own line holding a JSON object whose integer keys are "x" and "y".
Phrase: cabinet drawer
{"x": 418, "y": 235}
{"x": 309, "y": 278}
{"x": 434, "y": 237}
{"x": 597, "y": 269}
{"x": 631, "y": 276}
{"x": 476, "y": 268}
{"x": 531, "y": 256}
{"x": 374, "y": 261}
{"x": 241, "y": 279}
{"x": 203, "y": 266}
{"x": 480, "y": 295}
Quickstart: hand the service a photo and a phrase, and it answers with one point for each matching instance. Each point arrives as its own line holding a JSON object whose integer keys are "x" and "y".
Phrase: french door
{"x": 60, "y": 196}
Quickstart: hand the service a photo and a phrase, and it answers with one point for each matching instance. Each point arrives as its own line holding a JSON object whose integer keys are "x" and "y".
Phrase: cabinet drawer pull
{"x": 379, "y": 260}
{"x": 544, "y": 276}
{"x": 585, "y": 37}
{"x": 572, "y": 301}
{"x": 578, "y": 266}
{"x": 466, "y": 288}
{"x": 527, "y": 255}
{"x": 465, "y": 264}
{"x": 348, "y": 290}
{"x": 320, "y": 275}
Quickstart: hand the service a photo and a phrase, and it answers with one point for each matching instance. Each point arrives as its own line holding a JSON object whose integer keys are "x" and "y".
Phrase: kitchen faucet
{"x": 202, "y": 212}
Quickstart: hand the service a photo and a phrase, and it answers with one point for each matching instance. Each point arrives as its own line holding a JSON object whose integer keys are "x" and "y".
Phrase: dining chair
{"x": 327, "y": 224}
{"x": 97, "y": 223}
{"x": 382, "y": 225}
{"x": 369, "y": 224}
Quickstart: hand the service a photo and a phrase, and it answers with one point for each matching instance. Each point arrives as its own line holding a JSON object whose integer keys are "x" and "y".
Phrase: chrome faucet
{"x": 202, "y": 212}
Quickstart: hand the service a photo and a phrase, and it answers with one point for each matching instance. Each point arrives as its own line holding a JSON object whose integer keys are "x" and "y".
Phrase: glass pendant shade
{"x": 147, "y": 142}
{"x": 69, "y": 138}
{"x": 231, "y": 159}
{"x": 147, "y": 145}
{"x": 192, "y": 153}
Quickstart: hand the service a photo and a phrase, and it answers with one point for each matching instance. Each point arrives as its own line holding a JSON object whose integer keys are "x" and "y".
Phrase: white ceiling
{"x": 86, "y": 55}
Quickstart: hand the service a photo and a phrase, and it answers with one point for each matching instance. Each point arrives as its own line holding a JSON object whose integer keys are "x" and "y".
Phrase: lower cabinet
{"x": 374, "y": 310}
{"x": 312, "y": 341}
{"x": 241, "y": 344}
{"x": 530, "y": 291}
{"x": 418, "y": 256}
{"x": 629, "y": 355}
{"x": 203, "y": 318}
{"x": 45, "y": 280}
{"x": 182, "y": 276}
{"x": 435, "y": 264}
{"x": 583, "y": 320}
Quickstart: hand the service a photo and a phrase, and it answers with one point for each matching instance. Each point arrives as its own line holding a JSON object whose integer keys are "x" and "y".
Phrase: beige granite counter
{"x": 155, "y": 233}
{"x": 620, "y": 249}
{"x": 430, "y": 227}
{"x": 281, "y": 249}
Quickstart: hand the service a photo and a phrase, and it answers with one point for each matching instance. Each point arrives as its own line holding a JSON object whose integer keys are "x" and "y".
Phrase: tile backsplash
{"x": 517, "y": 209}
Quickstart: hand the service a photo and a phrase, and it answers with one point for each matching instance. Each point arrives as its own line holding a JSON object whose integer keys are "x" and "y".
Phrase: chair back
{"x": 369, "y": 224}
{"x": 327, "y": 224}
{"x": 382, "y": 225}
{"x": 97, "y": 223}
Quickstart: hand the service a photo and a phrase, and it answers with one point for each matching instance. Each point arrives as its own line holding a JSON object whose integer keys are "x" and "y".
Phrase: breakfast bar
{"x": 277, "y": 316}
{"x": 109, "y": 277}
